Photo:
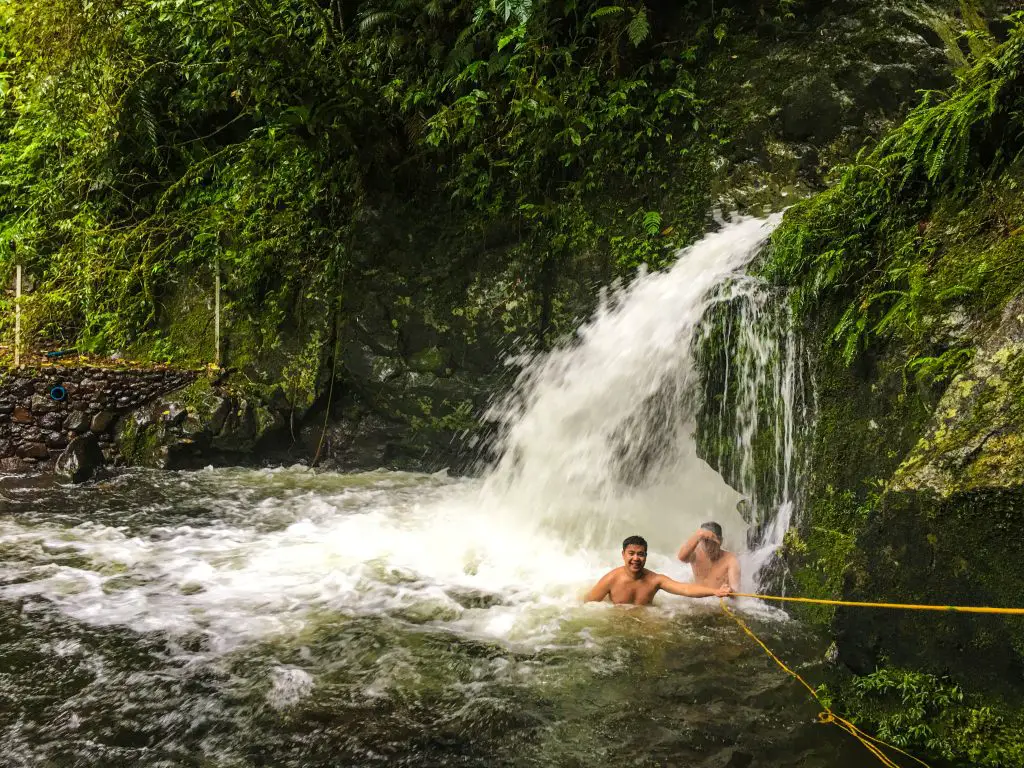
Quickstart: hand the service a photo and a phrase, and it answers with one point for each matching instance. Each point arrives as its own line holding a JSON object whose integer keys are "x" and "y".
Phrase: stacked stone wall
{"x": 43, "y": 409}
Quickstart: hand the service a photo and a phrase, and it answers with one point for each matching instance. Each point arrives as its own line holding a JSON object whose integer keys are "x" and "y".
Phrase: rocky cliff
{"x": 905, "y": 279}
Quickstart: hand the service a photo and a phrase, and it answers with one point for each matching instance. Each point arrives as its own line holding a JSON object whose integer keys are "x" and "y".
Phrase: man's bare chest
{"x": 638, "y": 592}
{"x": 704, "y": 567}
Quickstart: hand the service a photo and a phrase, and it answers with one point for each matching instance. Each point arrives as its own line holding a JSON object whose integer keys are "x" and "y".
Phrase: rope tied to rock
{"x": 826, "y": 716}
{"x": 900, "y": 606}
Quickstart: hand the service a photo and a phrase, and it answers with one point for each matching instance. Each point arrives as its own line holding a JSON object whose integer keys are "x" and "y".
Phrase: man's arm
{"x": 690, "y": 545}
{"x": 601, "y": 590}
{"x": 691, "y": 590}
{"x": 734, "y": 573}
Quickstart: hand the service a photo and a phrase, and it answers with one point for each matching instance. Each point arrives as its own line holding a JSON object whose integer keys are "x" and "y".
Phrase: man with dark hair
{"x": 633, "y": 584}
{"x": 712, "y": 565}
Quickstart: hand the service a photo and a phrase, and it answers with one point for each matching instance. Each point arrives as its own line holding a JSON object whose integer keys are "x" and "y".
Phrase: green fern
{"x": 652, "y": 222}
{"x": 866, "y": 239}
{"x": 639, "y": 29}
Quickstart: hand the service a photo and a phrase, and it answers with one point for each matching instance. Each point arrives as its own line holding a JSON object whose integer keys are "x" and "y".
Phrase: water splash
{"x": 597, "y": 436}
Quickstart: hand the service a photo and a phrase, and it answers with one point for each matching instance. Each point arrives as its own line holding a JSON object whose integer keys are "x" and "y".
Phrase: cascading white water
{"x": 755, "y": 373}
{"x": 597, "y": 435}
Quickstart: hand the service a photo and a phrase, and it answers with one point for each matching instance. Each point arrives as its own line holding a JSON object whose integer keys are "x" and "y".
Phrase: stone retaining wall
{"x": 43, "y": 409}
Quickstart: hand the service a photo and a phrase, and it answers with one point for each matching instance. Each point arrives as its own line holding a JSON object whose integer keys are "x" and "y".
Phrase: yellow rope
{"x": 873, "y": 745}
{"x": 907, "y": 606}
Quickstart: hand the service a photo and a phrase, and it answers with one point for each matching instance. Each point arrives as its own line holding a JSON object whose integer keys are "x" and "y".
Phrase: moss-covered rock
{"x": 947, "y": 530}
{"x": 206, "y": 422}
{"x": 976, "y": 440}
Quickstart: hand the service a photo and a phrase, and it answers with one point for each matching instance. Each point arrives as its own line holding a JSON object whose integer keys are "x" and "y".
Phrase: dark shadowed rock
{"x": 33, "y": 451}
{"x": 80, "y": 459}
{"x": 175, "y": 414}
{"x": 77, "y": 421}
{"x": 42, "y": 404}
{"x": 101, "y": 421}
{"x": 51, "y": 420}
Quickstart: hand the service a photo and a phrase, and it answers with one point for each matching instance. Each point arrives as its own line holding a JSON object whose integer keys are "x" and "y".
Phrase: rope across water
{"x": 902, "y": 606}
{"x": 873, "y": 745}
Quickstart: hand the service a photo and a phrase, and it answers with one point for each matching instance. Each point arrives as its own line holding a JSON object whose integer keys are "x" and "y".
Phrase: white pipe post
{"x": 216, "y": 314}
{"x": 17, "y": 316}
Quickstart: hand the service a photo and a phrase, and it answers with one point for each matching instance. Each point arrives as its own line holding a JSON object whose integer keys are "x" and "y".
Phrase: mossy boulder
{"x": 200, "y": 424}
{"x": 947, "y": 530}
{"x": 976, "y": 440}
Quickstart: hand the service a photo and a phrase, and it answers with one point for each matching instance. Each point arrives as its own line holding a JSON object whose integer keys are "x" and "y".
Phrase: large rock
{"x": 948, "y": 529}
{"x": 101, "y": 421}
{"x": 77, "y": 421}
{"x": 80, "y": 459}
{"x": 196, "y": 426}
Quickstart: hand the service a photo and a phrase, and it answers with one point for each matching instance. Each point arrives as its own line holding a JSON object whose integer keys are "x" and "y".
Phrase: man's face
{"x": 712, "y": 546}
{"x": 634, "y": 556}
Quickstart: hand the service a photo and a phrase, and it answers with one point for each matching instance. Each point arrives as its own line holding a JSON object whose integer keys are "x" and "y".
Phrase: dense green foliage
{"x": 928, "y": 221}
{"x": 144, "y": 143}
{"x": 905, "y": 266}
{"x": 918, "y": 711}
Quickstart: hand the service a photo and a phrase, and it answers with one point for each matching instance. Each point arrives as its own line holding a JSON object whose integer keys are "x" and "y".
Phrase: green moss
{"x": 818, "y": 558}
{"x": 138, "y": 445}
{"x": 300, "y": 375}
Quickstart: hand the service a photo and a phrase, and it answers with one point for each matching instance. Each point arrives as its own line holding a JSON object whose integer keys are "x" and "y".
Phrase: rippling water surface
{"x": 291, "y": 618}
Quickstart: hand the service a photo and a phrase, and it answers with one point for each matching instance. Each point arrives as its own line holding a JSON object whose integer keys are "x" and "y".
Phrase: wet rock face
{"x": 196, "y": 426}
{"x": 948, "y": 530}
{"x": 44, "y": 410}
{"x": 963, "y": 549}
{"x": 80, "y": 460}
{"x": 837, "y": 72}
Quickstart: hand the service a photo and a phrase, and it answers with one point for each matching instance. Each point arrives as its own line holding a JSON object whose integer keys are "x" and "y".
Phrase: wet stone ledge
{"x": 43, "y": 409}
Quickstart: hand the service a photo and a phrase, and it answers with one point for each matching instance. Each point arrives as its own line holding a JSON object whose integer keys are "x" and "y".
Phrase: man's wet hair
{"x": 715, "y": 528}
{"x": 639, "y": 541}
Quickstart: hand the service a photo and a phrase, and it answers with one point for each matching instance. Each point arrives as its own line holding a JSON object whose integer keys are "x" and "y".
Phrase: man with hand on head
{"x": 712, "y": 565}
{"x": 633, "y": 584}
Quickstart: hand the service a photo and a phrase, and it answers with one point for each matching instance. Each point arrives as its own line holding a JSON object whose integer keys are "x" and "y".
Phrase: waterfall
{"x": 598, "y": 437}
{"x": 617, "y": 431}
{"x": 757, "y": 407}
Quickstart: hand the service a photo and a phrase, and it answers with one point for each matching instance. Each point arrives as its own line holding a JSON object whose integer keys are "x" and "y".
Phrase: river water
{"x": 285, "y": 617}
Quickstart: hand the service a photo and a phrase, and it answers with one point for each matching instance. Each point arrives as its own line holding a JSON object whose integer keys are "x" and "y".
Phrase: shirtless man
{"x": 632, "y": 584}
{"x": 712, "y": 565}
